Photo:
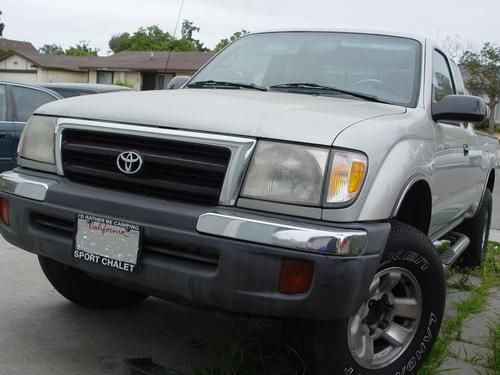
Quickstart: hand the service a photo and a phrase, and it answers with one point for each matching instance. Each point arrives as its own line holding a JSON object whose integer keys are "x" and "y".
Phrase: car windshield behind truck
{"x": 382, "y": 67}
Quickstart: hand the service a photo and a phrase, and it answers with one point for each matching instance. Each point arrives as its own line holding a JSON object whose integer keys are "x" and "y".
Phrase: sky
{"x": 66, "y": 22}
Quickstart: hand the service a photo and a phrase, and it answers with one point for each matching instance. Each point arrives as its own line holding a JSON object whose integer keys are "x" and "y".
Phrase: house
{"x": 21, "y": 62}
{"x": 145, "y": 70}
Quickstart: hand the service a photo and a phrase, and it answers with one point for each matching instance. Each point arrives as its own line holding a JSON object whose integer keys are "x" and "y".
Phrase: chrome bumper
{"x": 25, "y": 186}
{"x": 318, "y": 239}
{"x": 251, "y": 228}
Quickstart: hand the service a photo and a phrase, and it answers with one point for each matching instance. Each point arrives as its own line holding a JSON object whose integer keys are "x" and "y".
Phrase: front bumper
{"x": 220, "y": 257}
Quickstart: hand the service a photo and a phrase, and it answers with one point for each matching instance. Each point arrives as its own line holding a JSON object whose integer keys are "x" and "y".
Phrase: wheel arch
{"x": 414, "y": 206}
{"x": 490, "y": 182}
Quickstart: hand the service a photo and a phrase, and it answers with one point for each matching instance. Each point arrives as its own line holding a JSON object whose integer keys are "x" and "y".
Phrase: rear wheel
{"x": 84, "y": 290}
{"x": 395, "y": 328}
{"x": 478, "y": 231}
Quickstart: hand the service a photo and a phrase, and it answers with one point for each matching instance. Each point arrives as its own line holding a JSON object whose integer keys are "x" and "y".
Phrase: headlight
{"x": 347, "y": 173}
{"x": 37, "y": 139}
{"x": 296, "y": 174}
{"x": 287, "y": 173}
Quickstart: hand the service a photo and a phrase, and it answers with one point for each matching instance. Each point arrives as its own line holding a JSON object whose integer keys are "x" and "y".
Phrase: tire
{"x": 478, "y": 231}
{"x": 324, "y": 346}
{"x": 84, "y": 290}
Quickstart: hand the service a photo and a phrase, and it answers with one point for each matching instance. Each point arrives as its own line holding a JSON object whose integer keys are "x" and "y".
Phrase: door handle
{"x": 3, "y": 135}
{"x": 466, "y": 149}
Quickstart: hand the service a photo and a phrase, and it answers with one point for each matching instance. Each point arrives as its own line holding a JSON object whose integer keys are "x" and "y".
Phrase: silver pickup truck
{"x": 302, "y": 175}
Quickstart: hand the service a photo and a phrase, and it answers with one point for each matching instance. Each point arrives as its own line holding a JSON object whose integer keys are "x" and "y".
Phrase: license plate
{"x": 108, "y": 242}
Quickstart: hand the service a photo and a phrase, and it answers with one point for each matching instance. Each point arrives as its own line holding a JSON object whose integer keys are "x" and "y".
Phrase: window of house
{"x": 27, "y": 100}
{"x": 3, "y": 103}
{"x": 442, "y": 83}
{"x": 105, "y": 77}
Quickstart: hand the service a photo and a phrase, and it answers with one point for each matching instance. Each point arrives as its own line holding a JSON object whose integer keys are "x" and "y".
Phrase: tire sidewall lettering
{"x": 409, "y": 256}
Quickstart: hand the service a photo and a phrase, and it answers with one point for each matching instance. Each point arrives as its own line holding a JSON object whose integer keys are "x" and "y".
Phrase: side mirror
{"x": 461, "y": 108}
{"x": 177, "y": 82}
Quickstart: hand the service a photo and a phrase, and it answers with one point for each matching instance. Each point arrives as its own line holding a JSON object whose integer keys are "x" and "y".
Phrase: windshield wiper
{"x": 315, "y": 86}
{"x": 218, "y": 84}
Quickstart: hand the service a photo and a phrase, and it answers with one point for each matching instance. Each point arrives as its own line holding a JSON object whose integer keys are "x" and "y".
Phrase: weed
{"x": 493, "y": 359}
{"x": 451, "y": 328}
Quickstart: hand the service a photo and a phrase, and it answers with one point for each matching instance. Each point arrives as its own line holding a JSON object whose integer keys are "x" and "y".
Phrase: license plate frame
{"x": 108, "y": 242}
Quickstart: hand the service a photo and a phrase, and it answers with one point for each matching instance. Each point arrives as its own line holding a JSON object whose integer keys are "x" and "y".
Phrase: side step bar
{"x": 459, "y": 243}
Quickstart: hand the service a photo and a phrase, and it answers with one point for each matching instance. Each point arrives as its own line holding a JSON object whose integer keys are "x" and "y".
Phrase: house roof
{"x": 74, "y": 63}
{"x": 144, "y": 60}
{"x": 17, "y": 45}
{"x": 134, "y": 60}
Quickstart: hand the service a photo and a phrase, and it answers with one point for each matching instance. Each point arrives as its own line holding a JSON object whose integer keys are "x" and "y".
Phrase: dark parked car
{"x": 17, "y": 103}
{"x": 68, "y": 90}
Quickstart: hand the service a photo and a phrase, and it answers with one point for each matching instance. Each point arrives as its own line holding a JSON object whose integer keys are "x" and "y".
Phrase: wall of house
{"x": 21, "y": 77}
{"x": 129, "y": 77}
{"x": 53, "y": 75}
{"x": 132, "y": 78}
{"x": 16, "y": 62}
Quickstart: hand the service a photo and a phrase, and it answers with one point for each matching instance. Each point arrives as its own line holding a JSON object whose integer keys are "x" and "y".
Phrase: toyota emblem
{"x": 129, "y": 162}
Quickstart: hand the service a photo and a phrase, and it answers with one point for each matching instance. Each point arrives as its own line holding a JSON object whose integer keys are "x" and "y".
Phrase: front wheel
{"x": 395, "y": 328}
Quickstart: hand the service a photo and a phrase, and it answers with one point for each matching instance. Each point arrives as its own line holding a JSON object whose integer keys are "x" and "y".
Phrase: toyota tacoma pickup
{"x": 302, "y": 175}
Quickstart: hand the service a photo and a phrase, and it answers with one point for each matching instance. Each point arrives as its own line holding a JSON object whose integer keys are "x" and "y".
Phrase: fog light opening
{"x": 4, "y": 211}
{"x": 296, "y": 276}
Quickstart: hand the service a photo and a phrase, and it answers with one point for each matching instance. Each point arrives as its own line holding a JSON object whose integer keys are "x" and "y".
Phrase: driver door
{"x": 454, "y": 185}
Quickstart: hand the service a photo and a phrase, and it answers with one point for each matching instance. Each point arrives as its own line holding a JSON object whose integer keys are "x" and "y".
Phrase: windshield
{"x": 383, "y": 67}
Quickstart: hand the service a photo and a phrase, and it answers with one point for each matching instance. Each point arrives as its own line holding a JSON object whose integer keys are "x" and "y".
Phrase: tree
{"x": 456, "y": 46}
{"x": 188, "y": 28}
{"x": 482, "y": 71}
{"x": 153, "y": 38}
{"x": 150, "y": 38}
{"x": 2, "y": 25}
{"x": 82, "y": 48}
{"x": 119, "y": 42}
{"x": 224, "y": 42}
{"x": 51, "y": 49}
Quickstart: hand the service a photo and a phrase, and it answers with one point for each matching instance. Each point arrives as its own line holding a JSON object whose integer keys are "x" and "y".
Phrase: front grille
{"x": 171, "y": 169}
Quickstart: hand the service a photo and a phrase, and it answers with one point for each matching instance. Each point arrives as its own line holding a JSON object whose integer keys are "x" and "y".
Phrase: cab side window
{"x": 3, "y": 103}
{"x": 26, "y": 100}
{"x": 459, "y": 82}
{"x": 442, "y": 83}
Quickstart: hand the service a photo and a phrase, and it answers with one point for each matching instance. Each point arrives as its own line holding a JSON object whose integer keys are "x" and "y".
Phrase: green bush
{"x": 125, "y": 84}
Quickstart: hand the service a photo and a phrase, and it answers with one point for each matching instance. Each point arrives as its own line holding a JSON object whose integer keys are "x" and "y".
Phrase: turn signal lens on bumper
{"x": 4, "y": 211}
{"x": 296, "y": 276}
{"x": 347, "y": 174}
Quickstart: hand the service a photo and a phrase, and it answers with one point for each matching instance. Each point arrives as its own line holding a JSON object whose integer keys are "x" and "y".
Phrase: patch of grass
{"x": 451, "y": 328}
{"x": 493, "y": 359}
{"x": 462, "y": 284}
{"x": 255, "y": 346}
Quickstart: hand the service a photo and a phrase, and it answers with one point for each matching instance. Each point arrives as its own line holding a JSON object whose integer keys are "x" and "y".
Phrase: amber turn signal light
{"x": 4, "y": 210}
{"x": 296, "y": 276}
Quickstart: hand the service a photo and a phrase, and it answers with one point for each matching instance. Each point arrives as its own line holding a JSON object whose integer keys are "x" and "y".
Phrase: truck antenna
{"x": 175, "y": 34}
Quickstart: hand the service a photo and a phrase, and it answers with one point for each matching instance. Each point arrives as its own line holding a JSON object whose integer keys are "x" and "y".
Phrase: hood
{"x": 274, "y": 115}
